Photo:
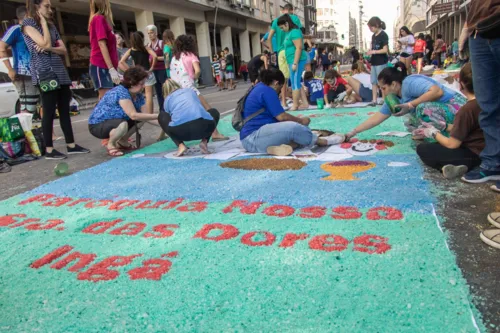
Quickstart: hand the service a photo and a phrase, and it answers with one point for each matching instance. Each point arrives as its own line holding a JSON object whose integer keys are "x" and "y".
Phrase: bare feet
{"x": 204, "y": 147}
{"x": 181, "y": 150}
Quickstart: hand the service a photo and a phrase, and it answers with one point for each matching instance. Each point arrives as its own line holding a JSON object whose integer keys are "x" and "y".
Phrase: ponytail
{"x": 390, "y": 74}
{"x": 268, "y": 76}
{"x": 376, "y": 22}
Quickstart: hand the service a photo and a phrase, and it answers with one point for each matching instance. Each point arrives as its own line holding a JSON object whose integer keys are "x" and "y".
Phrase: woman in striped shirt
{"x": 46, "y": 47}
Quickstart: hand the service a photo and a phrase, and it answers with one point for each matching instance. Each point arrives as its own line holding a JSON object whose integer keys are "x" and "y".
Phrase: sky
{"x": 385, "y": 9}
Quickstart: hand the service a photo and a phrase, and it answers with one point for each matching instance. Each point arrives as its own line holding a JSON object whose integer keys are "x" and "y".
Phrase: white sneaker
{"x": 283, "y": 150}
{"x": 334, "y": 139}
{"x": 454, "y": 171}
{"x": 494, "y": 219}
{"x": 491, "y": 237}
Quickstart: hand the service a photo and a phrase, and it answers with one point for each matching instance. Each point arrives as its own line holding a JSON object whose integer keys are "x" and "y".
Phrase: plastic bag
{"x": 12, "y": 150}
{"x": 11, "y": 129}
{"x": 26, "y": 120}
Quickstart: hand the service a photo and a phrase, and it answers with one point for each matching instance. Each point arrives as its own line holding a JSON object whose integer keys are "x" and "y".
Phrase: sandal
{"x": 122, "y": 147}
{"x": 114, "y": 152}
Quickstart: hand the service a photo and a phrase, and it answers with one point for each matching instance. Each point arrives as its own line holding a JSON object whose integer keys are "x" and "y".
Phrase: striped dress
{"x": 46, "y": 61}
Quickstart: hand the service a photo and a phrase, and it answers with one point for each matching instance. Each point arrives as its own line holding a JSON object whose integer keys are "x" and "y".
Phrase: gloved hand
{"x": 115, "y": 77}
{"x": 405, "y": 109}
{"x": 427, "y": 130}
{"x": 437, "y": 123}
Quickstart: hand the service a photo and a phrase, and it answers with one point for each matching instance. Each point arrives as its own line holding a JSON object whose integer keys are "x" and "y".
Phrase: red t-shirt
{"x": 100, "y": 29}
{"x": 420, "y": 45}
{"x": 328, "y": 87}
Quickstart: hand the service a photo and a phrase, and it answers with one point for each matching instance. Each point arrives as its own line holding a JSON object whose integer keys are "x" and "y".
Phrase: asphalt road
{"x": 27, "y": 176}
{"x": 464, "y": 207}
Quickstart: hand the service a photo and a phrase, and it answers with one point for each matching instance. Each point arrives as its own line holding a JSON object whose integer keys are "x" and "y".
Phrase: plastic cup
{"x": 61, "y": 169}
{"x": 392, "y": 100}
{"x": 320, "y": 103}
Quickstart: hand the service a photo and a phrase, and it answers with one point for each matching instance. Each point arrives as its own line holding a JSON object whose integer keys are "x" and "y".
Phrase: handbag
{"x": 489, "y": 28}
{"x": 47, "y": 79}
{"x": 10, "y": 130}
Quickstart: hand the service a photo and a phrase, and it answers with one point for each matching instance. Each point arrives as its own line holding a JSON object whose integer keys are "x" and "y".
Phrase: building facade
{"x": 310, "y": 23}
{"x": 214, "y": 24}
{"x": 353, "y": 32}
{"x": 448, "y": 24}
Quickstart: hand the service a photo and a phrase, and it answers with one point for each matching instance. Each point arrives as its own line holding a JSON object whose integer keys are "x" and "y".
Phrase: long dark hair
{"x": 285, "y": 18}
{"x": 137, "y": 42}
{"x": 390, "y": 74}
{"x": 268, "y": 76}
{"x": 184, "y": 44}
{"x": 124, "y": 41}
{"x": 168, "y": 37}
{"x": 32, "y": 11}
{"x": 331, "y": 74}
{"x": 405, "y": 29}
{"x": 376, "y": 22}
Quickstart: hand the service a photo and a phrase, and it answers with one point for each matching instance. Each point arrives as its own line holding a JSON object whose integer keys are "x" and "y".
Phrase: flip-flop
{"x": 114, "y": 152}
{"x": 129, "y": 148}
{"x": 220, "y": 139}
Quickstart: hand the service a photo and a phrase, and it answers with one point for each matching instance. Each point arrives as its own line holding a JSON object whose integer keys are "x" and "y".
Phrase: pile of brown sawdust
{"x": 272, "y": 164}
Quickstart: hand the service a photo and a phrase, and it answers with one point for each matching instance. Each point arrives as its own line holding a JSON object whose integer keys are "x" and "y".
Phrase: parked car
{"x": 9, "y": 98}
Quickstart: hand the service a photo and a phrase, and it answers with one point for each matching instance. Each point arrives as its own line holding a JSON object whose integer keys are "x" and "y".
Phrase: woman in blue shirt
{"x": 185, "y": 118}
{"x": 426, "y": 100}
{"x": 274, "y": 131}
{"x": 115, "y": 116}
{"x": 296, "y": 57}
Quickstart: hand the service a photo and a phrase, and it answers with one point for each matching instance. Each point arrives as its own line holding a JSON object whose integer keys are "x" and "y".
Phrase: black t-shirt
{"x": 378, "y": 43}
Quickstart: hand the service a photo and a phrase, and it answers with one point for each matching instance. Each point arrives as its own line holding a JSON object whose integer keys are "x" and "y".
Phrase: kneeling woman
{"x": 115, "y": 116}
{"x": 455, "y": 155}
{"x": 185, "y": 118}
{"x": 269, "y": 128}
{"x": 361, "y": 83}
{"x": 424, "y": 99}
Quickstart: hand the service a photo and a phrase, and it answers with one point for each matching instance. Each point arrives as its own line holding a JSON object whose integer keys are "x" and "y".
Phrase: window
{"x": 264, "y": 6}
{"x": 271, "y": 8}
{"x": 320, "y": 12}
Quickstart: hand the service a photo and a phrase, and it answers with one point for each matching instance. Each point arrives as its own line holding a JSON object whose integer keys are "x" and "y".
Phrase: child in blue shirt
{"x": 313, "y": 88}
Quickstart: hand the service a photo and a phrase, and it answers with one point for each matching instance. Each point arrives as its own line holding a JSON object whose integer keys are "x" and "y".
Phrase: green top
{"x": 280, "y": 34}
{"x": 168, "y": 49}
{"x": 290, "y": 48}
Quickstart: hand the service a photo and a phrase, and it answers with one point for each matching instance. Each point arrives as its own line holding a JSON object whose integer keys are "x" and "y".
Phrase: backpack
{"x": 238, "y": 122}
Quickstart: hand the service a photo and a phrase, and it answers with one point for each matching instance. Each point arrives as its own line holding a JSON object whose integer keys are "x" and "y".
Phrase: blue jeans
{"x": 485, "y": 58}
{"x": 161, "y": 77}
{"x": 278, "y": 134}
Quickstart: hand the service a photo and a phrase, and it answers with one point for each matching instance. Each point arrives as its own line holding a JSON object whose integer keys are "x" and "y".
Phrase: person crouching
{"x": 118, "y": 112}
{"x": 185, "y": 118}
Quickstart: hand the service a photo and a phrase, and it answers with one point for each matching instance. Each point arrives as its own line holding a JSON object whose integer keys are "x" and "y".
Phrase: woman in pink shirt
{"x": 185, "y": 70}
{"x": 103, "y": 50}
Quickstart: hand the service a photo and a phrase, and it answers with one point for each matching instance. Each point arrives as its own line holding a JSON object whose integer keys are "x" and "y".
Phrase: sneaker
{"x": 494, "y": 219}
{"x": 491, "y": 237}
{"x": 480, "y": 175}
{"x": 454, "y": 171}
{"x": 77, "y": 150}
{"x": 283, "y": 150}
{"x": 55, "y": 155}
{"x": 372, "y": 104}
{"x": 334, "y": 139}
{"x": 496, "y": 187}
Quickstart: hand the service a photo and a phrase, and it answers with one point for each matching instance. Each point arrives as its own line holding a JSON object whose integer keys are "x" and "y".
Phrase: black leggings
{"x": 161, "y": 77}
{"x": 52, "y": 100}
{"x": 437, "y": 156}
{"x": 197, "y": 129}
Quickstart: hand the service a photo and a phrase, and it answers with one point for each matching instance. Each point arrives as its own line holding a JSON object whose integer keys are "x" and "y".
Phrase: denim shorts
{"x": 376, "y": 72}
{"x": 365, "y": 94}
{"x": 100, "y": 77}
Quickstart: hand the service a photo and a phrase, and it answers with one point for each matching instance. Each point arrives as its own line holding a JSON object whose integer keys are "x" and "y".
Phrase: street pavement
{"x": 462, "y": 207}
{"x": 30, "y": 175}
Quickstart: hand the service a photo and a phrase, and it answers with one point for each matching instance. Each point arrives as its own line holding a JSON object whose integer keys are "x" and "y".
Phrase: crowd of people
{"x": 461, "y": 127}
